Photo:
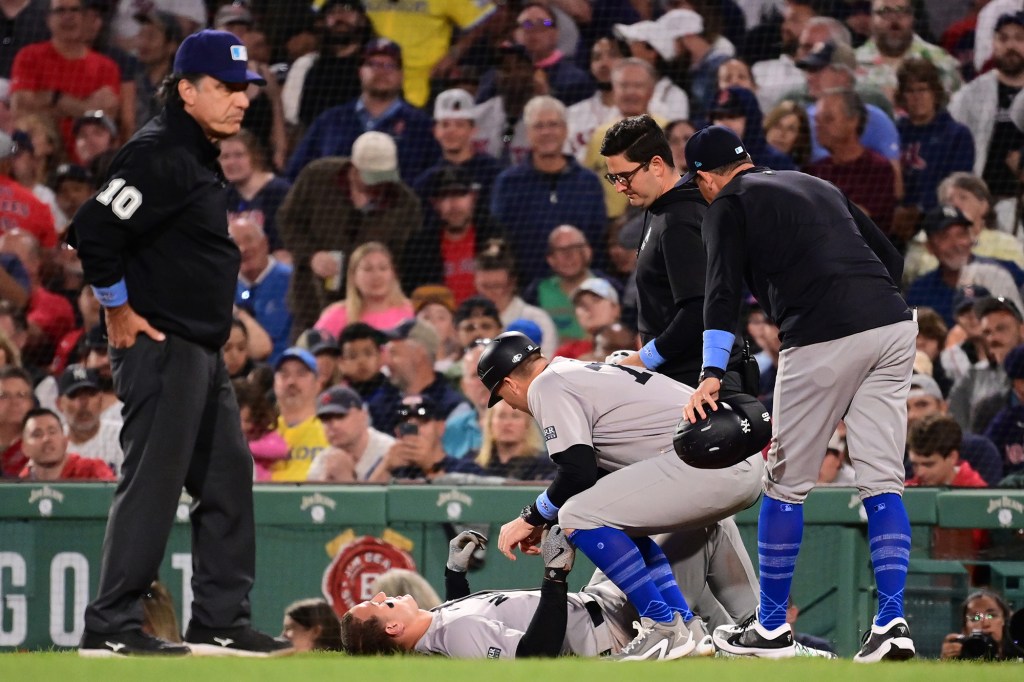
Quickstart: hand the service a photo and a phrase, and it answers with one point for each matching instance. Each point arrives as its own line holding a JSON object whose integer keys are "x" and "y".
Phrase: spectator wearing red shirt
{"x": 867, "y": 178}
{"x": 934, "y": 445}
{"x": 16, "y": 399}
{"x": 46, "y": 446}
{"x": 62, "y": 77}
{"x": 19, "y": 207}
{"x": 443, "y": 252}
{"x": 49, "y": 315}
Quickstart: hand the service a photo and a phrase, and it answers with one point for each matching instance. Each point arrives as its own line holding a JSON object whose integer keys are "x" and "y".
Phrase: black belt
{"x": 594, "y": 609}
{"x": 596, "y": 617}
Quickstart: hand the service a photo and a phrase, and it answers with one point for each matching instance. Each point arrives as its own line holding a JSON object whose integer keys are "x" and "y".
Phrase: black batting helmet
{"x": 740, "y": 427}
{"x": 503, "y": 354}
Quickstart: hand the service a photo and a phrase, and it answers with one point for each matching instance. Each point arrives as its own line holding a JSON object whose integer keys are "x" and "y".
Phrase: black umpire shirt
{"x": 819, "y": 267}
{"x": 670, "y": 274}
{"x": 160, "y": 222}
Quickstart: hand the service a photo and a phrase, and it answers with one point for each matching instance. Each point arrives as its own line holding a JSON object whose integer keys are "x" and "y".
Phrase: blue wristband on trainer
{"x": 650, "y": 356}
{"x": 114, "y": 295}
{"x": 546, "y": 507}
{"x": 717, "y": 348}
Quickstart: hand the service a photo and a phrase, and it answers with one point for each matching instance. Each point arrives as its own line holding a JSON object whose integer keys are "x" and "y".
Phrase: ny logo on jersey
{"x": 745, "y": 425}
{"x": 493, "y": 652}
{"x": 550, "y": 433}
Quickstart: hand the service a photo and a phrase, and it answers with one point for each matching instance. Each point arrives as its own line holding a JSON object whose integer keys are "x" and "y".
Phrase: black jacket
{"x": 819, "y": 267}
{"x": 670, "y": 273}
{"x": 160, "y": 222}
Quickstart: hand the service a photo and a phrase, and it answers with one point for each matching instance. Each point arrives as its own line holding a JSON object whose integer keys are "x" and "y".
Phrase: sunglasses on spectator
{"x": 530, "y": 24}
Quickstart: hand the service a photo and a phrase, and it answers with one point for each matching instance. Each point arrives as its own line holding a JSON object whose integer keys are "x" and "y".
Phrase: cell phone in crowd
{"x": 408, "y": 429}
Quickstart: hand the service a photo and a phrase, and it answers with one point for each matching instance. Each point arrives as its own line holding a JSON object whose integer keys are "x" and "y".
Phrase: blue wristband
{"x": 717, "y": 348}
{"x": 114, "y": 295}
{"x": 546, "y": 508}
{"x": 650, "y": 356}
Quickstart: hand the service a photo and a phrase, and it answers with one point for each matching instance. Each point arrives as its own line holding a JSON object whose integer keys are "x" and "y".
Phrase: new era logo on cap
{"x": 239, "y": 53}
{"x": 710, "y": 148}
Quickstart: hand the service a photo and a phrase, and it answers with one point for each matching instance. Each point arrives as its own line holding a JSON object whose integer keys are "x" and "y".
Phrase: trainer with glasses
{"x": 827, "y": 276}
{"x": 154, "y": 246}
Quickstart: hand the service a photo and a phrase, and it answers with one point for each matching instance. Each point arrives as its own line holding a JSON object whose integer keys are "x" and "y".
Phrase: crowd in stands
{"x": 418, "y": 177}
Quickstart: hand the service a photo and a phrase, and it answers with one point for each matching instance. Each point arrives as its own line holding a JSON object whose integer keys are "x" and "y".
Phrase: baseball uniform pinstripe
{"x": 490, "y": 624}
{"x": 629, "y": 417}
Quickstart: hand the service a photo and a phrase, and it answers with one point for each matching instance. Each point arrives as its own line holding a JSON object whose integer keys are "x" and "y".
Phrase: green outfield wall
{"x": 317, "y": 540}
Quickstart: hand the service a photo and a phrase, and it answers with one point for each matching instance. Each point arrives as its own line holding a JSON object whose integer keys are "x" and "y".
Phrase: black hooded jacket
{"x": 670, "y": 272}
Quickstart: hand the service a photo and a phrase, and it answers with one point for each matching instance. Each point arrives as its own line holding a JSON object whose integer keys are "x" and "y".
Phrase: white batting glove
{"x": 461, "y": 548}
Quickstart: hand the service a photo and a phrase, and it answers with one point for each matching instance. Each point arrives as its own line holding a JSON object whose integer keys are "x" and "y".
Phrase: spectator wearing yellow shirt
{"x": 423, "y": 29}
{"x": 295, "y": 387}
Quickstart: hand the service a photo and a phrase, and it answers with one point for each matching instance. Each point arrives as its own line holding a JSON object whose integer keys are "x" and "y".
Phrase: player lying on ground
{"x": 504, "y": 623}
{"x": 496, "y": 623}
{"x": 609, "y": 429}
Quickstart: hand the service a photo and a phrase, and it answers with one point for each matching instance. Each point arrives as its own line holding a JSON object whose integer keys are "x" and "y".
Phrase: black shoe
{"x": 891, "y": 642}
{"x": 127, "y": 643}
{"x": 749, "y": 638}
{"x": 238, "y": 641}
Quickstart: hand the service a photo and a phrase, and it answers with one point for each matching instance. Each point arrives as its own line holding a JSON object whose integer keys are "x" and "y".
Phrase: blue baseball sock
{"x": 614, "y": 552}
{"x": 780, "y": 528}
{"x": 889, "y": 541}
{"x": 661, "y": 574}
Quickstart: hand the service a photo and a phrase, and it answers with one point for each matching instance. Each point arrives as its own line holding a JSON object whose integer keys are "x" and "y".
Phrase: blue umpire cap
{"x": 218, "y": 54}
{"x": 711, "y": 148}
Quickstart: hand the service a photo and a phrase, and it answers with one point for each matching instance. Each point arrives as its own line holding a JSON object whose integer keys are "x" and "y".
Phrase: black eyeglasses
{"x": 529, "y": 25}
{"x": 626, "y": 178}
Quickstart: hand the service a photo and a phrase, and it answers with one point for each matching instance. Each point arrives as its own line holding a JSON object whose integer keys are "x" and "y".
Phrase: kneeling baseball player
{"x": 609, "y": 429}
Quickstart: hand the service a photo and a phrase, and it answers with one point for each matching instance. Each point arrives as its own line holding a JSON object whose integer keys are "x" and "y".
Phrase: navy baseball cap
{"x": 218, "y": 54}
{"x": 338, "y": 400}
{"x": 710, "y": 148}
{"x": 966, "y": 296}
{"x": 937, "y": 220}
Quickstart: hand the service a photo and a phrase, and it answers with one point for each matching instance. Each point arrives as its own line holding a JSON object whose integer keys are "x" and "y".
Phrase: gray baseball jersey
{"x": 629, "y": 417}
{"x": 490, "y": 624}
{"x": 626, "y": 414}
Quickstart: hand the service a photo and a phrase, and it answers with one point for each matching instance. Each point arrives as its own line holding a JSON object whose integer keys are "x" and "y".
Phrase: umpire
{"x": 825, "y": 273}
{"x": 670, "y": 262}
{"x": 154, "y": 246}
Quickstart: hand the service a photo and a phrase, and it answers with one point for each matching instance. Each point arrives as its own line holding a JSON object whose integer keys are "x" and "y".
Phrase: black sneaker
{"x": 749, "y": 638}
{"x": 239, "y": 641}
{"x": 127, "y": 643}
{"x": 890, "y": 642}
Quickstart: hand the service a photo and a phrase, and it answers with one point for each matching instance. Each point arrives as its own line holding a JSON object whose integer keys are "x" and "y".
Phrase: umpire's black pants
{"x": 181, "y": 429}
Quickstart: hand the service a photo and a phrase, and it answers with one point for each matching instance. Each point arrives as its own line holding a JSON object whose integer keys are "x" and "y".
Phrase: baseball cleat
{"x": 237, "y": 641}
{"x": 749, "y": 638}
{"x": 658, "y": 641}
{"x": 804, "y": 651}
{"x": 705, "y": 646}
{"x": 890, "y": 642}
{"x": 127, "y": 643}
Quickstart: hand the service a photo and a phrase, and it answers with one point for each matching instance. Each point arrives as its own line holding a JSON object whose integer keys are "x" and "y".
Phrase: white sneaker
{"x": 658, "y": 641}
{"x": 749, "y": 638}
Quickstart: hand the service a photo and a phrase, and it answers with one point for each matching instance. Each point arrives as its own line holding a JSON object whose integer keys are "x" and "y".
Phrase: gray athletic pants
{"x": 864, "y": 379}
{"x": 663, "y": 494}
{"x": 181, "y": 429}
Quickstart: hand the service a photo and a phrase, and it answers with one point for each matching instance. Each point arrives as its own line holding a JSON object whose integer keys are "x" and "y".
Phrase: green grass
{"x": 67, "y": 667}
